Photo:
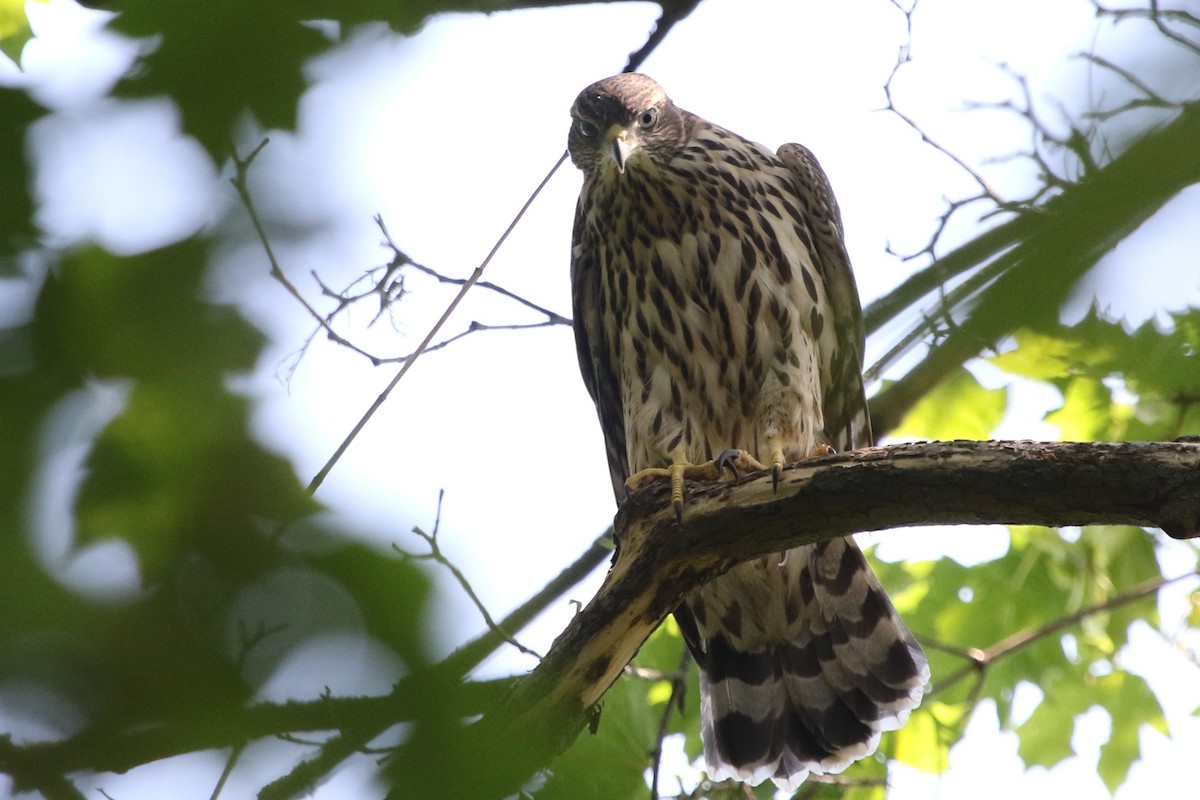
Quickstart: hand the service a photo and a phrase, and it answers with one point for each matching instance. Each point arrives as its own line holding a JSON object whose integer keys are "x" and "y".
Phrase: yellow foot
{"x": 739, "y": 461}
{"x": 678, "y": 473}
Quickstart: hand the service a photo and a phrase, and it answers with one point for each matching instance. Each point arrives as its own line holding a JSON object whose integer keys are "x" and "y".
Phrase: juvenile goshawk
{"x": 715, "y": 309}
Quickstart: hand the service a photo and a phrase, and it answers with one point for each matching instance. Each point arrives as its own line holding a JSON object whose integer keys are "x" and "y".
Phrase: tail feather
{"x": 803, "y": 662}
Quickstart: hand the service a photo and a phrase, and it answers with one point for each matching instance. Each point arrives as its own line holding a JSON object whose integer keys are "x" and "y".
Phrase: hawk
{"x": 716, "y": 317}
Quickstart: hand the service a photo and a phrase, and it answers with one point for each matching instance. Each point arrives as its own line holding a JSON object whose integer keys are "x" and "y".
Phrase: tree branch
{"x": 108, "y": 750}
{"x": 435, "y": 554}
{"x": 1047, "y": 483}
{"x": 319, "y": 478}
{"x": 979, "y": 660}
{"x": 1150, "y": 484}
{"x": 1055, "y": 246}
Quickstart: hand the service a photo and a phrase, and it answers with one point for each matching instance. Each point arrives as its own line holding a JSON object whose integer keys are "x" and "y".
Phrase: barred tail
{"x": 803, "y": 662}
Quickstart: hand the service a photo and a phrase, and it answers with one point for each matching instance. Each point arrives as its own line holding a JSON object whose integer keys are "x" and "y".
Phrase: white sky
{"x": 445, "y": 134}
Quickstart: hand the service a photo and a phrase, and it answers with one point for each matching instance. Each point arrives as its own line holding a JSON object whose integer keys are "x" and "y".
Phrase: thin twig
{"x": 471, "y": 654}
{"x": 319, "y": 478}
{"x": 435, "y": 554}
{"x": 390, "y": 288}
{"x": 981, "y": 660}
{"x": 1022, "y": 639}
{"x": 943, "y": 312}
{"x": 672, "y": 12}
{"x": 241, "y": 170}
{"x": 1159, "y": 17}
{"x": 905, "y": 55}
{"x": 230, "y": 762}
{"x": 239, "y": 181}
{"x": 403, "y": 257}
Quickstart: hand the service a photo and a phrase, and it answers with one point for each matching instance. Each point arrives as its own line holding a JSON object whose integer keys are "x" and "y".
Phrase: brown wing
{"x": 847, "y": 423}
{"x": 596, "y": 367}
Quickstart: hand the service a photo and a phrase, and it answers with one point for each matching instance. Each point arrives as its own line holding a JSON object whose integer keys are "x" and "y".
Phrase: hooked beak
{"x": 622, "y": 147}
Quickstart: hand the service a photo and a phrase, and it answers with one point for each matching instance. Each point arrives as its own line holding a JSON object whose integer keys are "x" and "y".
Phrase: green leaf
{"x": 16, "y": 219}
{"x": 659, "y": 693}
{"x": 925, "y": 740}
{"x": 920, "y": 743}
{"x": 609, "y": 765}
{"x": 1045, "y": 738}
{"x": 959, "y": 408}
{"x": 1086, "y": 414}
{"x": 663, "y": 650}
{"x": 220, "y": 59}
{"x": 865, "y": 793}
{"x": 14, "y": 28}
{"x": 1131, "y": 704}
{"x": 1037, "y": 355}
{"x": 141, "y": 317}
{"x": 176, "y": 470}
{"x": 1155, "y": 366}
{"x": 1193, "y": 616}
{"x": 391, "y": 592}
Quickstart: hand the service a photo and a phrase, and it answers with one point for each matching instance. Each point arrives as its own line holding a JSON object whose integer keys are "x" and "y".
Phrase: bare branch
{"x": 1051, "y": 249}
{"x": 1149, "y": 98}
{"x": 319, "y": 478}
{"x": 1016, "y": 482}
{"x": 980, "y": 660}
{"x": 658, "y": 561}
{"x": 435, "y": 554}
{"x": 1159, "y": 17}
{"x": 241, "y": 171}
{"x": 672, "y": 12}
{"x": 939, "y": 320}
{"x": 230, "y": 763}
{"x": 460, "y": 662}
{"x": 470, "y": 655}
{"x": 402, "y": 258}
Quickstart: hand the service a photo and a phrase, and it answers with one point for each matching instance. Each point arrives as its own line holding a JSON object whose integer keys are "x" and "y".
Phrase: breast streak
{"x": 717, "y": 349}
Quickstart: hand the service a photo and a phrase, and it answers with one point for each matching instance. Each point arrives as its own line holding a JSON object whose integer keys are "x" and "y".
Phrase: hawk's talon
{"x": 776, "y": 464}
{"x": 728, "y": 461}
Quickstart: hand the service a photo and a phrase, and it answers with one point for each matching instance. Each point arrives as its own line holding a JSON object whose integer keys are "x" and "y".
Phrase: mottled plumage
{"x": 715, "y": 309}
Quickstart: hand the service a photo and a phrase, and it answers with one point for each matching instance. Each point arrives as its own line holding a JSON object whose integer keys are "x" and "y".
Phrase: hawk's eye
{"x": 648, "y": 118}
{"x": 587, "y": 129}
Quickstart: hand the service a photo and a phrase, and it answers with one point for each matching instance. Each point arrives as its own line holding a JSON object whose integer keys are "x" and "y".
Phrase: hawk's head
{"x": 618, "y": 118}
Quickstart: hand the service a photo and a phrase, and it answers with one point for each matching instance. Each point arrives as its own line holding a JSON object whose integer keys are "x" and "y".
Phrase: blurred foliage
{"x": 120, "y": 428}
{"x": 14, "y": 28}
{"x": 958, "y": 408}
{"x": 1115, "y": 383}
{"x": 17, "y": 113}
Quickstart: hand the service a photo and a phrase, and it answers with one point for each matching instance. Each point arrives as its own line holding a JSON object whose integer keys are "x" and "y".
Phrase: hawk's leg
{"x": 678, "y": 473}
{"x": 738, "y": 462}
